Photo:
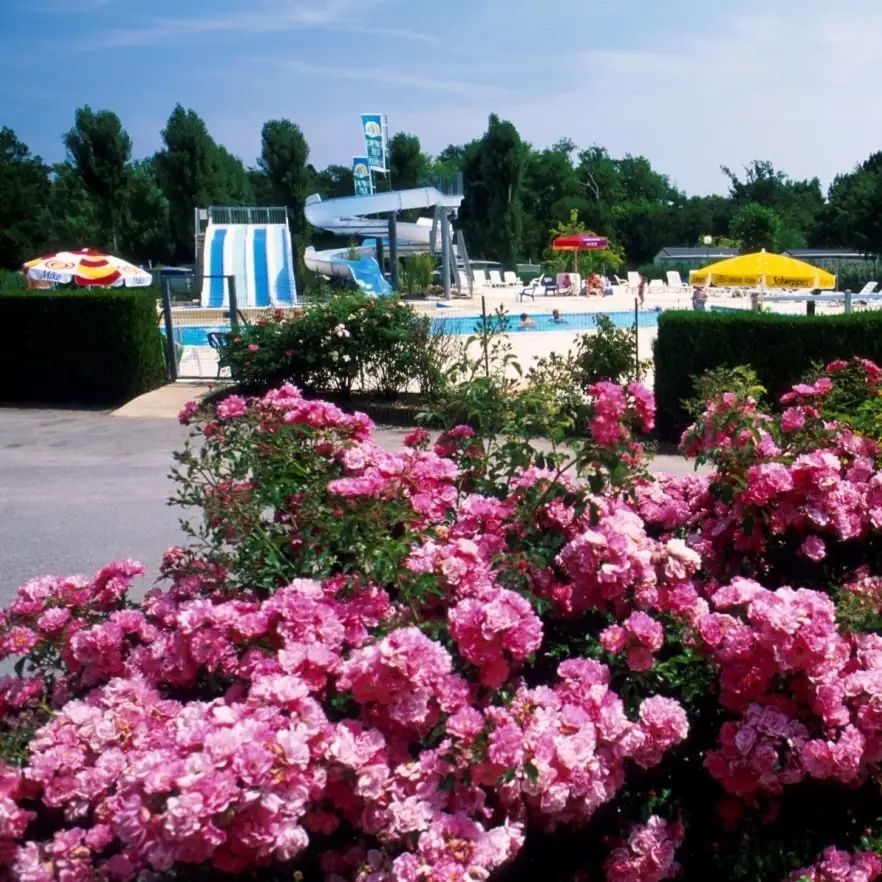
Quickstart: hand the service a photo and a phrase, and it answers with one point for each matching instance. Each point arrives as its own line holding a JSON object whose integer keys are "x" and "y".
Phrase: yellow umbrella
{"x": 762, "y": 270}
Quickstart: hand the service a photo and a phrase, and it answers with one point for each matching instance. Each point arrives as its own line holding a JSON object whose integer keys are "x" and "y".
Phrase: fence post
{"x": 234, "y": 305}
{"x": 171, "y": 361}
{"x": 484, "y": 335}
{"x": 636, "y": 339}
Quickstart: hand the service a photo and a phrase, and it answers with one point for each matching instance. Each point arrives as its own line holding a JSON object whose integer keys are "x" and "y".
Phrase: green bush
{"x": 348, "y": 340}
{"x": 779, "y": 348}
{"x": 71, "y": 347}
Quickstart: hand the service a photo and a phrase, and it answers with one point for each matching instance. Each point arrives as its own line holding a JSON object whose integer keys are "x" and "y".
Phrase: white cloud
{"x": 269, "y": 16}
{"x": 799, "y": 91}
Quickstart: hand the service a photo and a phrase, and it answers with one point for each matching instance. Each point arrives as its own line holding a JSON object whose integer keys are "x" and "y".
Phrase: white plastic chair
{"x": 511, "y": 279}
{"x": 633, "y": 282}
{"x": 480, "y": 278}
{"x": 496, "y": 279}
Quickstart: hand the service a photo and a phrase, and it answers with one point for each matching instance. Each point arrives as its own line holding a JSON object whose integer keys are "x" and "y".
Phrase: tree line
{"x": 144, "y": 209}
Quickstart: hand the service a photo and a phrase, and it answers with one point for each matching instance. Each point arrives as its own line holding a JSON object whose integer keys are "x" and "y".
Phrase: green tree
{"x": 407, "y": 162}
{"x": 448, "y": 162}
{"x": 69, "y": 218}
{"x": 189, "y": 172}
{"x": 852, "y": 216}
{"x": 798, "y": 204}
{"x": 756, "y": 227}
{"x": 550, "y": 192}
{"x": 284, "y": 159}
{"x": 492, "y": 214}
{"x": 99, "y": 149}
{"x": 334, "y": 181}
{"x": 234, "y": 184}
{"x": 145, "y": 227}
{"x": 24, "y": 192}
{"x": 261, "y": 186}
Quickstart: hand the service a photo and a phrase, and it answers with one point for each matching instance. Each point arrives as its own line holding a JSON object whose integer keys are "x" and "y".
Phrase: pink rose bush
{"x": 440, "y": 665}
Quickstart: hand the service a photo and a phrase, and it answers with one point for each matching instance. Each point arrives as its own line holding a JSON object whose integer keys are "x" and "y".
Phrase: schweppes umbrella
{"x": 762, "y": 270}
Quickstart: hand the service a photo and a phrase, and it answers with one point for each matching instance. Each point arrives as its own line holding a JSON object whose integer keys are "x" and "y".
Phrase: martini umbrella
{"x": 87, "y": 268}
{"x": 762, "y": 270}
{"x": 577, "y": 242}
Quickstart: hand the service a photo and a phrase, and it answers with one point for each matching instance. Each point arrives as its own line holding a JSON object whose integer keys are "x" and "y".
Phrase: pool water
{"x": 461, "y": 325}
{"x": 570, "y": 321}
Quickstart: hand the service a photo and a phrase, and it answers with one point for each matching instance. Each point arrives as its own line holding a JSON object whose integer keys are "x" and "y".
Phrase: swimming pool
{"x": 462, "y": 325}
{"x": 570, "y": 321}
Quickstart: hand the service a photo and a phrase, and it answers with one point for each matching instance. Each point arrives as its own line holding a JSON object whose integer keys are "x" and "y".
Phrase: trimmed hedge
{"x": 780, "y": 348}
{"x": 70, "y": 347}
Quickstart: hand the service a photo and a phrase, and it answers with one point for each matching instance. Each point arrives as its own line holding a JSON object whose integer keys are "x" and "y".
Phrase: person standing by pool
{"x": 557, "y": 318}
{"x": 641, "y": 289}
{"x": 699, "y": 299}
{"x": 526, "y": 322}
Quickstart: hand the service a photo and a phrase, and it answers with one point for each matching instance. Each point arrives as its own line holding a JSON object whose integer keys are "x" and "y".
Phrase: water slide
{"x": 347, "y": 216}
{"x": 259, "y": 256}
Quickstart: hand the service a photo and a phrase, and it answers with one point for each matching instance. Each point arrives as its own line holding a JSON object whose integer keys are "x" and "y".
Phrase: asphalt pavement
{"x": 79, "y": 489}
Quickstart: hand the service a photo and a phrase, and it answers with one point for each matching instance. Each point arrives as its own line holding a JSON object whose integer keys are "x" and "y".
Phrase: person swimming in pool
{"x": 526, "y": 322}
{"x": 557, "y": 318}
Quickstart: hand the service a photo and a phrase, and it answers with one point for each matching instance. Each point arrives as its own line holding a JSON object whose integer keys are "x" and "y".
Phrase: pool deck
{"x": 527, "y": 345}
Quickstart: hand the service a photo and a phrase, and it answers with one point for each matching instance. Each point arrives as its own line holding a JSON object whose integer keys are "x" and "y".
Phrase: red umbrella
{"x": 580, "y": 242}
{"x": 577, "y": 242}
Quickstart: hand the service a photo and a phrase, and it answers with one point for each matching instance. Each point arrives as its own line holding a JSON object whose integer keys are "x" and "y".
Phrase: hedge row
{"x": 780, "y": 348}
{"x": 71, "y": 347}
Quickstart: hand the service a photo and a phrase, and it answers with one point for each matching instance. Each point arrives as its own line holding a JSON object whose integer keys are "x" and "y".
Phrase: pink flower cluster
{"x": 494, "y": 623}
{"x": 840, "y": 866}
{"x": 648, "y": 855}
{"x": 415, "y": 708}
{"x": 614, "y": 408}
{"x": 640, "y": 636}
{"x": 565, "y": 748}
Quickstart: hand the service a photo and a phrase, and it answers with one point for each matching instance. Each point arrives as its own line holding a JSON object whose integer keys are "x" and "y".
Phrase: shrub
{"x": 447, "y": 663}
{"x": 345, "y": 341}
{"x": 95, "y": 347}
{"x": 779, "y": 348}
{"x": 607, "y": 354}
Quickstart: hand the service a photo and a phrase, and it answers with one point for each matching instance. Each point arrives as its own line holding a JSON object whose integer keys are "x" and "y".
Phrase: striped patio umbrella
{"x": 87, "y": 268}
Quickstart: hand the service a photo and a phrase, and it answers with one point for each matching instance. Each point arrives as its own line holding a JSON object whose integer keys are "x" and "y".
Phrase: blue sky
{"x": 692, "y": 85}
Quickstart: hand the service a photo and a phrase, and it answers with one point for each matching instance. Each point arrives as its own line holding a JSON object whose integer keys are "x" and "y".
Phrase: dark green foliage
{"x": 24, "y": 190}
{"x": 283, "y": 159}
{"x": 407, "y": 162}
{"x": 756, "y": 228}
{"x": 492, "y": 214}
{"x": 779, "y": 348}
{"x": 95, "y": 348}
{"x": 195, "y": 172}
{"x": 99, "y": 150}
{"x": 345, "y": 341}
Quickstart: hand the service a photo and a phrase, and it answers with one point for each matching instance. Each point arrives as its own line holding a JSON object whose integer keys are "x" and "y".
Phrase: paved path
{"x": 78, "y": 489}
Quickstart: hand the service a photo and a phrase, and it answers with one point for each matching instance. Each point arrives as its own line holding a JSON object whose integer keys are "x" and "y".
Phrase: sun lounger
{"x": 869, "y": 288}
{"x": 656, "y": 286}
{"x": 496, "y": 279}
{"x": 633, "y": 282}
{"x": 480, "y": 278}
{"x": 511, "y": 279}
{"x": 675, "y": 283}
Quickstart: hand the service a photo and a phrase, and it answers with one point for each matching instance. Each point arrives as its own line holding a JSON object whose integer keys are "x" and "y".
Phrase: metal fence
{"x": 194, "y": 334}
